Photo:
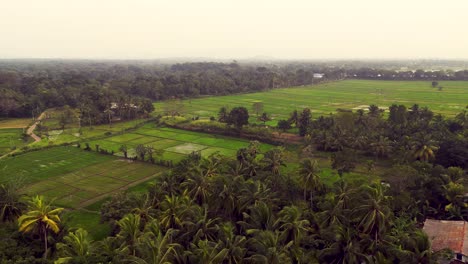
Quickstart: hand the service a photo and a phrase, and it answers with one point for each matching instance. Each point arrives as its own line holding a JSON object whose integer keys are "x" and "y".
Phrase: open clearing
{"x": 326, "y": 98}
{"x": 176, "y": 143}
{"x": 73, "y": 177}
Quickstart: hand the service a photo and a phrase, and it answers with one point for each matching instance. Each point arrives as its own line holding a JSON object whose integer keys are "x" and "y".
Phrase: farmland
{"x": 176, "y": 143}
{"x": 11, "y": 134}
{"x": 74, "y": 178}
{"x": 327, "y": 97}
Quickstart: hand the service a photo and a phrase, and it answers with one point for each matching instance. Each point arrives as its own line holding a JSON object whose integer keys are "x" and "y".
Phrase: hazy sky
{"x": 234, "y": 28}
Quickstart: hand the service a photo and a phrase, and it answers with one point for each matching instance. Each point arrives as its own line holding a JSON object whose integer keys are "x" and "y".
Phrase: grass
{"x": 176, "y": 143}
{"x": 326, "y": 98}
{"x": 73, "y": 177}
{"x": 14, "y": 122}
{"x": 89, "y": 221}
{"x": 12, "y": 138}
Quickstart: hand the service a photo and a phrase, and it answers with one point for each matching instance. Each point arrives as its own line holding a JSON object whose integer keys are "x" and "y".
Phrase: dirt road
{"x": 31, "y": 129}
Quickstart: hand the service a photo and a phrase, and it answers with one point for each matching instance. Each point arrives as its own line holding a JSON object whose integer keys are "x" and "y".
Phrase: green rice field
{"x": 349, "y": 94}
{"x": 72, "y": 177}
{"x": 176, "y": 143}
{"x": 11, "y": 138}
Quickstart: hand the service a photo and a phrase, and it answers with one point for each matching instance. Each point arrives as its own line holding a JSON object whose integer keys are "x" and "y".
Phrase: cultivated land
{"x": 11, "y": 134}
{"x": 349, "y": 94}
{"x": 73, "y": 177}
{"x": 176, "y": 143}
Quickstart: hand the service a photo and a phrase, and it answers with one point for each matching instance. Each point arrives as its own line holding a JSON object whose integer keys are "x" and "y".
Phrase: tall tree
{"x": 239, "y": 117}
{"x": 304, "y": 121}
{"x": 39, "y": 218}
{"x": 310, "y": 178}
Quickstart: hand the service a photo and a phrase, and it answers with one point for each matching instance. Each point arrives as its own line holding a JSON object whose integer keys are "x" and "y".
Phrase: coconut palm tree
{"x": 292, "y": 225}
{"x": 266, "y": 247}
{"x": 145, "y": 208}
{"x": 10, "y": 204}
{"x": 208, "y": 252}
{"x": 423, "y": 147}
{"x": 235, "y": 244}
{"x": 310, "y": 178}
{"x": 156, "y": 247}
{"x": 273, "y": 160}
{"x": 382, "y": 147}
{"x": 199, "y": 186}
{"x": 175, "y": 210}
{"x": 130, "y": 230}
{"x": 252, "y": 192}
{"x": 40, "y": 218}
{"x": 374, "y": 215}
{"x": 77, "y": 246}
{"x": 259, "y": 217}
{"x": 202, "y": 228}
{"x": 345, "y": 248}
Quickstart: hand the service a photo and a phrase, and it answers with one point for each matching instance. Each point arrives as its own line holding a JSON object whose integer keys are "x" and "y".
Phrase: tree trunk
{"x": 311, "y": 202}
{"x": 45, "y": 242}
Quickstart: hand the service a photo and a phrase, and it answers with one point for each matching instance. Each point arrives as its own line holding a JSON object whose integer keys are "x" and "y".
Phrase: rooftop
{"x": 447, "y": 234}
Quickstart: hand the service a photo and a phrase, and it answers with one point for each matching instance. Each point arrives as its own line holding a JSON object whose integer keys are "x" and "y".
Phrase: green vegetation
{"x": 175, "y": 144}
{"x": 355, "y": 187}
{"x": 72, "y": 177}
{"x": 325, "y": 98}
{"x": 11, "y": 139}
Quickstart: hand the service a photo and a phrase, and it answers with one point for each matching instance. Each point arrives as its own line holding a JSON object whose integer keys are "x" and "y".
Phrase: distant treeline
{"x": 94, "y": 87}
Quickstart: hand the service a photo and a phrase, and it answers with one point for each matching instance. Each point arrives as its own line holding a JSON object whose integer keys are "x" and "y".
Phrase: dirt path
{"x": 31, "y": 129}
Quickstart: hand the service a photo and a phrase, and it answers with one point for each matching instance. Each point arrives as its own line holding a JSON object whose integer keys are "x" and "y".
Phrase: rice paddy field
{"x": 11, "y": 134}
{"x": 327, "y": 97}
{"x": 72, "y": 177}
{"x": 176, "y": 143}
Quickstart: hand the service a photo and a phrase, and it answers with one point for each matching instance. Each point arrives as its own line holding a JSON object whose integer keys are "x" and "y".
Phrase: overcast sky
{"x": 225, "y": 29}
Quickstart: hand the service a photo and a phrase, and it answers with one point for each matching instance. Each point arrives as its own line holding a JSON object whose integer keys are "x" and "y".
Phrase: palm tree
{"x": 208, "y": 252}
{"x": 77, "y": 247}
{"x": 175, "y": 210}
{"x": 10, "y": 205}
{"x": 198, "y": 185}
{"x": 130, "y": 231}
{"x": 236, "y": 245}
{"x": 345, "y": 247}
{"x": 373, "y": 215}
{"x": 266, "y": 247}
{"x": 40, "y": 218}
{"x": 252, "y": 192}
{"x": 310, "y": 178}
{"x": 156, "y": 247}
{"x": 144, "y": 208}
{"x": 259, "y": 217}
{"x": 382, "y": 147}
{"x": 273, "y": 160}
{"x": 291, "y": 224}
{"x": 423, "y": 147}
{"x": 203, "y": 228}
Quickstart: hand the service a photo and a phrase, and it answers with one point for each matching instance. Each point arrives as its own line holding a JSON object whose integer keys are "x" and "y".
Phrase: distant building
{"x": 449, "y": 234}
{"x": 318, "y": 75}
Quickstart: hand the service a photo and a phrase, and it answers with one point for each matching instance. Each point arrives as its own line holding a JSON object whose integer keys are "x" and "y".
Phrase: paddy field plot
{"x": 325, "y": 98}
{"x": 176, "y": 143}
{"x": 12, "y": 138}
{"x": 73, "y": 177}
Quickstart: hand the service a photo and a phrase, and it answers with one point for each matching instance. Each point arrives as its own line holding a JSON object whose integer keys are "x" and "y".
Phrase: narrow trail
{"x": 31, "y": 129}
